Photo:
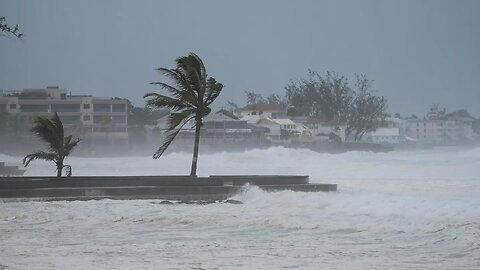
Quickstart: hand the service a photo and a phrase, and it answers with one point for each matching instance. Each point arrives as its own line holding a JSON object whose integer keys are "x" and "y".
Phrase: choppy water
{"x": 400, "y": 210}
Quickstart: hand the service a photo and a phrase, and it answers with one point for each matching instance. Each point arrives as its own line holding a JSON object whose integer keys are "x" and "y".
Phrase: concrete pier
{"x": 217, "y": 187}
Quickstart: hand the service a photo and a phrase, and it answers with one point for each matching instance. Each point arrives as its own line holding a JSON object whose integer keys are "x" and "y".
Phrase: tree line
{"x": 330, "y": 98}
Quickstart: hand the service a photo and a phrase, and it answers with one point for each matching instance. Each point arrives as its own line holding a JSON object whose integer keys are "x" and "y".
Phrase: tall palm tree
{"x": 191, "y": 94}
{"x": 51, "y": 131}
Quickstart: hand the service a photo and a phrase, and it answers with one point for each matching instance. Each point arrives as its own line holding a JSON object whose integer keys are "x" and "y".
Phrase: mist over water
{"x": 397, "y": 210}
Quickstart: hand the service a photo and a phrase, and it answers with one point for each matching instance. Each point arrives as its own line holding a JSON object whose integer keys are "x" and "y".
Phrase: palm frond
{"x": 168, "y": 140}
{"x": 68, "y": 144}
{"x": 213, "y": 90}
{"x": 162, "y": 101}
{"x": 38, "y": 155}
{"x": 185, "y": 86}
{"x": 177, "y": 77}
{"x": 175, "y": 119}
{"x": 186, "y": 96}
{"x": 50, "y": 130}
{"x": 195, "y": 73}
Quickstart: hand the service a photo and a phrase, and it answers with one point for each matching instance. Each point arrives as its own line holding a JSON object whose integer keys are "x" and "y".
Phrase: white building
{"x": 383, "y": 135}
{"x": 439, "y": 131}
{"x": 98, "y": 115}
{"x": 286, "y": 124}
{"x": 320, "y": 130}
{"x": 262, "y": 109}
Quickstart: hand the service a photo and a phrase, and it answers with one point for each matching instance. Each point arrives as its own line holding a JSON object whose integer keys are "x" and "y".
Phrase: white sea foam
{"x": 399, "y": 210}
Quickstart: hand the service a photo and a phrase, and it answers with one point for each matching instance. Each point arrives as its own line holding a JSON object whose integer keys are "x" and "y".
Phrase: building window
{"x": 118, "y": 108}
{"x": 86, "y": 106}
{"x": 69, "y": 119}
{"x": 13, "y": 106}
{"x": 63, "y": 96}
{"x": 101, "y": 107}
{"x": 120, "y": 129}
{"x": 65, "y": 108}
{"x": 34, "y": 108}
{"x": 97, "y": 119}
{"x": 119, "y": 119}
{"x": 86, "y": 118}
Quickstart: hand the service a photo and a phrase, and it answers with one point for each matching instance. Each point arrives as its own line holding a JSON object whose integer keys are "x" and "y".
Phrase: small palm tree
{"x": 191, "y": 95}
{"x": 51, "y": 131}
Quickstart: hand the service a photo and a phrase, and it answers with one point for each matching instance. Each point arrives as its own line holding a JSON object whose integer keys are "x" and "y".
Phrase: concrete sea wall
{"x": 217, "y": 187}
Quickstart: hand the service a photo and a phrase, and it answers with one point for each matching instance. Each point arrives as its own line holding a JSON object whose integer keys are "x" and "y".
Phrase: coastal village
{"x": 107, "y": 125}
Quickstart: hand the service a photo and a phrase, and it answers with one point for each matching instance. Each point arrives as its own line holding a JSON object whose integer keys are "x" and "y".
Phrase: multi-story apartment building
{"x": 100, "y": 117}
{"x": 438, "y": 130}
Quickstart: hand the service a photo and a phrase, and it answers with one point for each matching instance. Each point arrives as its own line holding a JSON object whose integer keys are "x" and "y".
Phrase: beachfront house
{"x": 272, "y": 111}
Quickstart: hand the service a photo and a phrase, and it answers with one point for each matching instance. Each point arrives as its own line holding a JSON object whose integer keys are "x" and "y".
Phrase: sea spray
{"x": 393, "y": 210}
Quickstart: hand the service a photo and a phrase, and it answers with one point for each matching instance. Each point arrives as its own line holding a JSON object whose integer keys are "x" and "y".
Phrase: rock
{"x": 203, "y": 202}
{"x": 233, "y": 202}
{"x": 165, "y": 202}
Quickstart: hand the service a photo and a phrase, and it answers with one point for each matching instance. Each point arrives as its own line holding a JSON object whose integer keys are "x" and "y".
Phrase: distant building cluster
{"x": 270, "y": 123}
{"x": 437, "y": 127}
{"x": 104, "y": 121}
{"x": 99, "y": 117}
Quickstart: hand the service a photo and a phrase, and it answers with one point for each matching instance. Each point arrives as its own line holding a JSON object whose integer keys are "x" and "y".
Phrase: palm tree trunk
{"x": 193, "y": 172}
{"x": 59, "y": 169}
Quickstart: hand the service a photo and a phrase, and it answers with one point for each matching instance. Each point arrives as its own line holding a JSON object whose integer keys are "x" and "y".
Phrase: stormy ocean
{"x": 397, "y": 210}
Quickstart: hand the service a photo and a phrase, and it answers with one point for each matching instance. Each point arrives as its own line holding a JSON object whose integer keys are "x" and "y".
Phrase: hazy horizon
{"x": 418, "y": 53}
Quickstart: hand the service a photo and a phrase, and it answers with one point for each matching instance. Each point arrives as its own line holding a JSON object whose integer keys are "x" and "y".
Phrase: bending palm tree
{"x": 191, "y": 95}
{"x": 51, "y": 131}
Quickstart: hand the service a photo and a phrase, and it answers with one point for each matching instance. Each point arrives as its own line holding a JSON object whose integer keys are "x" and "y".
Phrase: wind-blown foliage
{"x": 326, "y": 98}
{"x": 367, "y": 111}
{"x": 254, "y": 98}
{"x": 330, "y": 98}
{"x": 51, "y": 131}
{"x": 7, "y": 29}
{"x": 191, "y": 94}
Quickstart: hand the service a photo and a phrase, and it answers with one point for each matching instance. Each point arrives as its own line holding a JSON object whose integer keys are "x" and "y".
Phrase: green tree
{"x": 367, "y": 111}
{"x": 330, "y": 98}
{"x": 276, "y": 99}
{"x": 254, "y": 98}
{"x": 51, "y": 131}
{"x": 327, "y": 98}
{"x": 191, "y": 95}
{"x": 6, "y": 29}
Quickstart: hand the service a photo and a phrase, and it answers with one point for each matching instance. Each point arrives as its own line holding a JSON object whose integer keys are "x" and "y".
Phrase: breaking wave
{"x": 409, "y": 209}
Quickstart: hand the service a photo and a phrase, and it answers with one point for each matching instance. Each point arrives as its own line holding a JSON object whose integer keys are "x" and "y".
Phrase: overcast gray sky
{"x": 418, "y": 52}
